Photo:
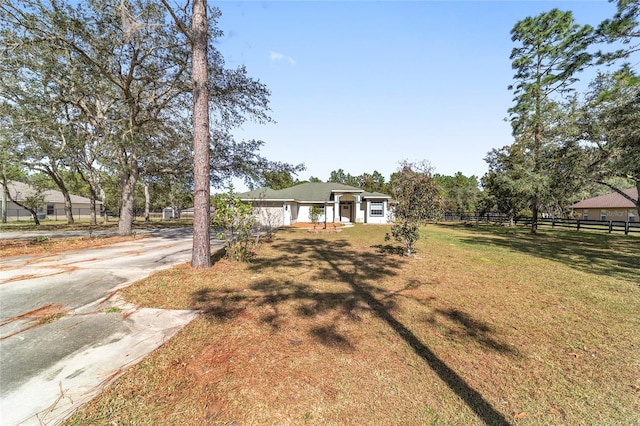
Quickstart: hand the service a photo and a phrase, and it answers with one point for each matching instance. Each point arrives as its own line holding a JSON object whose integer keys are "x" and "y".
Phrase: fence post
{"x": 578, "y": 222}
{"x": 610, "y": 226}
{"x": 626, "y": 228}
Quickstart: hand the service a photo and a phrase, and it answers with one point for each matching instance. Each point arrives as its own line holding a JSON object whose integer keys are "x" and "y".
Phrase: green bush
{"x": 314, "y": 214}
{"x": 233, "y": 222}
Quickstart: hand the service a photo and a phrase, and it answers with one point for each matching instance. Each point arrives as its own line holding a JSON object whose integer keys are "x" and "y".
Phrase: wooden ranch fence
{"x": 609, "y": 226}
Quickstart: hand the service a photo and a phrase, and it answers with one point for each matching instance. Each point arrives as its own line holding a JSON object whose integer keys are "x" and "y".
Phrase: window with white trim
{"x": 631, "y": 216}
{"x": 603, "y": 215}
{"x": 376, "y": 209}
{"x": 585, "y": 214}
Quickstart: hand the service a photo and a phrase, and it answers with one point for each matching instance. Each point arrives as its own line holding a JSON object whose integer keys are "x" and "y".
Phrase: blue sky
{"x": 363, "y": 85}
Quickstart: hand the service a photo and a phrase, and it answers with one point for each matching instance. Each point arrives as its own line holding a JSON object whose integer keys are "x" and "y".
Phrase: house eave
{"x": 268, "y": 199}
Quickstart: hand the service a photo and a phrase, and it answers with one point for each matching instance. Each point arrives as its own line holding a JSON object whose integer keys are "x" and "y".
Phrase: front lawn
{"x": 485, "y": 325}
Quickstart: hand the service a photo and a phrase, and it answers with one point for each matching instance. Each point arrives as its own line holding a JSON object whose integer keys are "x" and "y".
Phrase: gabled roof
{"x": 366, "y": 195}
{"x": 312, "y": 192}
{"x": 20, "y": 191}
{"x": 612, "y": 200}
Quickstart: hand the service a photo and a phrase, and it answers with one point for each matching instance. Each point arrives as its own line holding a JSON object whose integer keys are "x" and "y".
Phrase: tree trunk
{"x": 534, "y": 212}
{"x": 147, "y": 202}
{"x": 68, "y": 208}
{"x": 537, "y": 142}
{"x": 103, "y": 198}
{"x": 93, "y": 196}
{"x": 638, "y": 198}
{"x": 34, "y": 212}
{"x": 3, "y": 182}
{"x": 92, "y": 209}
{"x": 65, "y": 193}
{"x": 201, "y": 252}
{"x": 34, "y": 215}
{"x": 128, "y": 181}
{"x": 4, "y": 207}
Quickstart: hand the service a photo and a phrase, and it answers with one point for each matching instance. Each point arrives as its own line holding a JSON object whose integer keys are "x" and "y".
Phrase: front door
{"x": 345, "y": 212}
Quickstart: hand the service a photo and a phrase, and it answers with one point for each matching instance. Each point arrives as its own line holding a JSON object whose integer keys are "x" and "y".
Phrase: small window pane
{"x": 377, "y": 209}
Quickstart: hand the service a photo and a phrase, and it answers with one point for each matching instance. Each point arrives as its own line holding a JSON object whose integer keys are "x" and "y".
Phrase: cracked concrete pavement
{"x": 63, "y": 335}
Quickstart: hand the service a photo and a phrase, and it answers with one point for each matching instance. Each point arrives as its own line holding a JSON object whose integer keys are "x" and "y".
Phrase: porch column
{"x": 336, "y": 208}
{"x": 358, "y": 214}
{"x": 286, "y": 214}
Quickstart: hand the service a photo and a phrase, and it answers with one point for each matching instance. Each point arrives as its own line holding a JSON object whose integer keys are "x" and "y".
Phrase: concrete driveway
{"x": 63, "y": 333}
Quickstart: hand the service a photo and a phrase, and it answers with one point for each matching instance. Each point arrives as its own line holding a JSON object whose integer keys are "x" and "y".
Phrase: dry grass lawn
{"x": 485, "y": 326}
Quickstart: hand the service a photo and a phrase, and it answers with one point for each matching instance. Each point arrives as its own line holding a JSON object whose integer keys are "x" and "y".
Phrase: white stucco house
{"x": 339, "y": 204}
{"x": 53, "y": 206}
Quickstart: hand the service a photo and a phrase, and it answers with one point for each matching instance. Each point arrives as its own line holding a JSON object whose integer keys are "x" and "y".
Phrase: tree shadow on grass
{"x": 329, "y": 336}
{"x": 467, "y": 327}
{"x": 389, "y": 249}
{"x": 219, "y": 304}
{"x": 603, "y": 254}
{"x": 358, "y": 272}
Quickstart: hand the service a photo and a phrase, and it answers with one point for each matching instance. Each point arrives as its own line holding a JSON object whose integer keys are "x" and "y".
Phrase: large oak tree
{"x": 128, "y": 91}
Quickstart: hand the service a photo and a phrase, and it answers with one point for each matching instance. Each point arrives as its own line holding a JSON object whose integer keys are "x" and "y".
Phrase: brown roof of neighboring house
{"x": 612, "y": 200}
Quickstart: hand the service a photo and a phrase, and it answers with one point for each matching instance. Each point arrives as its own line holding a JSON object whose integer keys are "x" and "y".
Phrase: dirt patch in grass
{"x": 327, "y": 329}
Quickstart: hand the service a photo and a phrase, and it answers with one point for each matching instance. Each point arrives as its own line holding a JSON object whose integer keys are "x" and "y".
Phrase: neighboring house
{"x": 339, "y": 203}
{"x": 53, "y": 206}
{"x": 612, "y": 206}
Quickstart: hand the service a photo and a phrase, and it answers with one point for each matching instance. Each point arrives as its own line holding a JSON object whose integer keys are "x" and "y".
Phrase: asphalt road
{"x": 63, "y": 334}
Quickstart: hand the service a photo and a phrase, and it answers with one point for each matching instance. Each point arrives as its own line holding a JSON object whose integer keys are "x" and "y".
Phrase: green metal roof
{"x": 260, "y": 194}
{"x": 366, "y": 195}
{"x": 314, "y": 192}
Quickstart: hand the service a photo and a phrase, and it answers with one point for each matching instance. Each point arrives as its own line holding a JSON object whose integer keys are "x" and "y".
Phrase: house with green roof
{"x": 339, "y": 204}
